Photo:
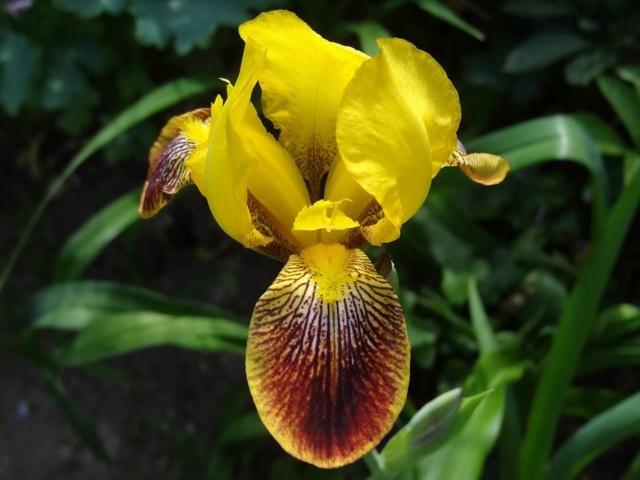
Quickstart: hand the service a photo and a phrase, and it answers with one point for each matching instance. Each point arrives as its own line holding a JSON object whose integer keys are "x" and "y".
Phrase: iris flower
{"x": 358, "y": 142}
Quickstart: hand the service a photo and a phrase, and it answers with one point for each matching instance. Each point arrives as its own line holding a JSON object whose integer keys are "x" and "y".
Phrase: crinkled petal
{"x": 180, "y": 139}
{"x": 328, "y": 356}
{"x": 399, "y": 114}
{"x": 302, "y": 86}
{"x": 483, "y": 168}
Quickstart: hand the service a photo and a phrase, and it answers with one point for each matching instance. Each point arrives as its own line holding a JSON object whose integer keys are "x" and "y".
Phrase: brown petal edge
{"x": 167, "y": 173}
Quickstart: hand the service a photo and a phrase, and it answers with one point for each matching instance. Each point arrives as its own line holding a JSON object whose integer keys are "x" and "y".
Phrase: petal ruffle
{"x": 398, "y": 117}
{"x": 302, "y": 86}
{"x": 328, "y": 356}
{"x": 182, "y": 138}
{"x": 483, "y": 168}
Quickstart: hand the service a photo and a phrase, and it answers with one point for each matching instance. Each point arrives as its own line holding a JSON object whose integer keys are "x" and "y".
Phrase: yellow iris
{"x": 359, "y": 141}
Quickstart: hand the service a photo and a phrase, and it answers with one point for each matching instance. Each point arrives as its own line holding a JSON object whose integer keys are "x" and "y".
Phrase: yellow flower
{"x": 359, "y": 140}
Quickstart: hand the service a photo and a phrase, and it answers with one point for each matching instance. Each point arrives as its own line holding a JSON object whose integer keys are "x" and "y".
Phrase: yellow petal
{"x": 228, "y": 166}
{"x": 328, "y": 356}
{"x": 399, "y": 114}
{"x": 196, "y": 163}
{"x": 182, "y": 138}
{"x": 302, "y": 86}
{"x": 323, "y": 215}
{"x": 483, "y": 168}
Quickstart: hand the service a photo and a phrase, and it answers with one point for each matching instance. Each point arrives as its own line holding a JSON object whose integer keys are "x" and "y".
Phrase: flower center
{"x": 331, "y": 268}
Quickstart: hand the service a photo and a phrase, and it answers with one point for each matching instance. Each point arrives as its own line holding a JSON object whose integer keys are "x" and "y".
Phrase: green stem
{"x": 574, "y": 328}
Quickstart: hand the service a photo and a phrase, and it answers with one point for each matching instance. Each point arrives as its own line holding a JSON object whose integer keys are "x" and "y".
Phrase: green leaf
{"x": 190, "y": 23}
{"x": 86, "y": 243}
{"x": 542, "y": 50}
{"x": 577, "y": 321}
{"x": 157, "y": 100}
{"x": 20, "y": 58}
{"x": 444, "y": 13}
{"x": 127, "y": 332}
{"x": 455, "y": 284}
{"x": 74, "y": 305}
{"x": 416, "y": 439}
{"x": 435, "y": 427}
{"x": 464, "y": 455}
{"x": 595, "y": 437}
{"x": 587, "y": 66}
{"x": 90, "y": 8}
{"x": 557, "y": 137}
{"x": 605, "y": 137}
{"x": 624, "y": 353}
{"x": 631, "y": 75}
{"x": 479, "y": 320}
{"x": 626, "y": 103}
{"x": 368, "y": 33}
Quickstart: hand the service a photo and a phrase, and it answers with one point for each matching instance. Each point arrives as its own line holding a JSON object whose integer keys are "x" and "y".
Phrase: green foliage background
{"x": 525, "y": 294}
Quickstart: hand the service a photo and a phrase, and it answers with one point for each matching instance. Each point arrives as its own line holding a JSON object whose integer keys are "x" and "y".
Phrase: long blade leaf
{"x": 159, "y": 99}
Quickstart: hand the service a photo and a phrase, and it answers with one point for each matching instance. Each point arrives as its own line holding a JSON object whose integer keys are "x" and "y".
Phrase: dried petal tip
{"x": 168, "y": 173}
{"x": 328, "y": 356}
{"x": 483, "y": 168}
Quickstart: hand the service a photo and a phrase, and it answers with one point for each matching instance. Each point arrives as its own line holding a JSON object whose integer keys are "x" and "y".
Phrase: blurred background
{"x": 100, "y": 382}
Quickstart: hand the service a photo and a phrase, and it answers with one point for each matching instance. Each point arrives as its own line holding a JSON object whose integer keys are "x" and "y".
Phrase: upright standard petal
{"x": 228, "y": 168}
{"x": 328, "y": 356}
{"x": 399, "y": 114}
{"x": 302, "y": 86}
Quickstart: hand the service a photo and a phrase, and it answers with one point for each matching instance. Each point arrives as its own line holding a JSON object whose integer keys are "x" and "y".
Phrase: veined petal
{"x": 302, "y": 86}
{"x": 483, "y": 168}
{"x": 184, "y": 137}
{"x": 328, "y": 356}
{"x": 399, "y": 114}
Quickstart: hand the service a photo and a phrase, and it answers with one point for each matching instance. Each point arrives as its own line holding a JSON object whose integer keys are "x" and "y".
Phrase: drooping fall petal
{"x": 302, "y": 86}
{"x": 328, "y": 356}
{"x": 184, "y": 136}
{"x": 399, "y": 114}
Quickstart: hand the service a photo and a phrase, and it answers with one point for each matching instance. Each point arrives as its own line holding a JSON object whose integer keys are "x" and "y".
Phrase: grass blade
{"x": 118, "y": 334}
{"x": 73, "y": 305}
{"x": 602, "y": 432}
{"x": 159, "y": 99}
{"x": 93, "y": 236}
{"x": 577, "y": 320}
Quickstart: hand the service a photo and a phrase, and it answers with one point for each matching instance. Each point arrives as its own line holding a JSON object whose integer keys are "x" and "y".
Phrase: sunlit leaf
{"x": 158, "y": 99}
{"x": 73, "y": 305}
{"x": 595, "y": 437}
{"x": 97, "y": 233}
{"x": 444, "y": 13}
{"x": 20, "y": 58}
{"x": 542, "y": 50}
{"x": 126, "y": 332}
